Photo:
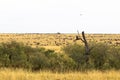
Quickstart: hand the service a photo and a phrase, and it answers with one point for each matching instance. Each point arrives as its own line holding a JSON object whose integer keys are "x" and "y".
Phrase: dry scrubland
{"x": 56, "y": 40}
{"x": 8, "y": 74}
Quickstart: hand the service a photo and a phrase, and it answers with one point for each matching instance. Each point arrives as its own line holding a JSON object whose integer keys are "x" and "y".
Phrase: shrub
{"x": 99, "y": 55}
{"x": 12, "y": 54}
{"x": 76, "y": 52}
{"x": 114, "y": 57}
{"x": 38, "y": 61}
{"x": 61, "y": 62}
{"x": 17, "y": 55}
{"x": 102, "y": 56}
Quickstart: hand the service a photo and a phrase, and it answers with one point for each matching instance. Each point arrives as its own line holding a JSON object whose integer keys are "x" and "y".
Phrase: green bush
{"x": 12, "y": 54}
{"x": 61, "y": 62}
{"x": 39, "y": 61}
{"x": 76, "y": 52}
{"x": 102, "y": 56}
{"x": 114, "y": 57}
{"x": 17, "y": 55}
{"x": 99, "y": 55}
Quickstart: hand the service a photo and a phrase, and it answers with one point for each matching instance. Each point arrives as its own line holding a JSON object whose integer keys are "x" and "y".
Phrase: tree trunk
{"x": 87, "y": 49}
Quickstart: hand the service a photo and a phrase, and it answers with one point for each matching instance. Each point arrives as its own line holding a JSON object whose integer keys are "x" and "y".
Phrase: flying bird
{"x": 81, "y": 14}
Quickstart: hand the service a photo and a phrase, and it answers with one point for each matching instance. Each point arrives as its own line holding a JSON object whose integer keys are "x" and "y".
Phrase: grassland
{"x": 19, "y": 74}
{"x": 55, "y": 41}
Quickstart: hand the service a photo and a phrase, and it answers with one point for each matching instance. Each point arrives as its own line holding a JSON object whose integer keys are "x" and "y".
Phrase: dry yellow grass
{"x": 55, "y": 41}
{"x": 19, "y": 74}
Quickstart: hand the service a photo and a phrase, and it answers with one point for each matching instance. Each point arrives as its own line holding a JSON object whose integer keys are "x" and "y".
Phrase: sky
{"x": 64, "y": 16}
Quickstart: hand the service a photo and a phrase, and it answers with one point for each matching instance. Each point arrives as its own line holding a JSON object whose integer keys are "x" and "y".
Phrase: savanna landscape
{"x": 45, "y": 40}
{"x": 57, "y": 56}
{"x": 56, "y": 40}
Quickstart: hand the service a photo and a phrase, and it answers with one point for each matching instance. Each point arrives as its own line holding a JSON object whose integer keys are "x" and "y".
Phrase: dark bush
{"x": 61, "y": 62}
{"x": 12, "y": 54}
{"x": 17, "y": 55}
{"x": 39, "y": 61}
{"x": 114, "y": 57}
{"x": 99, "y": 55}
{"x": 102, "y": 56}
{"x": 76, "y": 52}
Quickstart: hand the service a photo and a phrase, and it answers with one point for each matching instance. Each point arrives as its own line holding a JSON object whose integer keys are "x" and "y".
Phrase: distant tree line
{"x": 17, "y": 55}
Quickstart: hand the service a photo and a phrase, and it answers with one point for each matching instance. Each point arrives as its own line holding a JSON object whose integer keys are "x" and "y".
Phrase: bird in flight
{"x": 81, "y": 14}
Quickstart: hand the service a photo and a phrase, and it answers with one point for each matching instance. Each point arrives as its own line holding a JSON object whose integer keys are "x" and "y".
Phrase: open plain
{"x": 56, "y": 40}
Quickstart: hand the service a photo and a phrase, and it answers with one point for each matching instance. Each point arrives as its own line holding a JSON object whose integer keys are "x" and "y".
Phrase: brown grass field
{"x": 19, "y": 74}
{"x": 55, "y": 41}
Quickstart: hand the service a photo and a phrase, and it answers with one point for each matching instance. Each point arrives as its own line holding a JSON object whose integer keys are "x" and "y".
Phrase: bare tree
{"x": 87, "y": 48}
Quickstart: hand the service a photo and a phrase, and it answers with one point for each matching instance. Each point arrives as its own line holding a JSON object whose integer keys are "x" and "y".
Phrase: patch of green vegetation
{"x": 17, "y": 55}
